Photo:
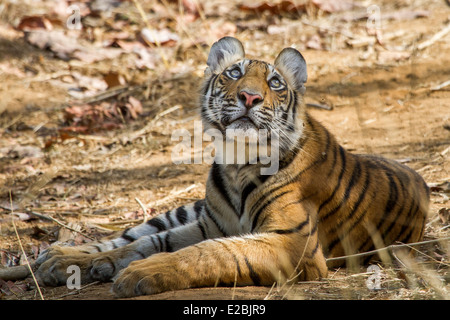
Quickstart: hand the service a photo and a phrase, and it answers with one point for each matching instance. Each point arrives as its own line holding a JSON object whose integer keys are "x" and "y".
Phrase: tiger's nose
{"x": 250, "y": 99}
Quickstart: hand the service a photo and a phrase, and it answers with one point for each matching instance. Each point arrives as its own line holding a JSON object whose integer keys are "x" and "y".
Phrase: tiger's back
{"x": 364, "y": 202}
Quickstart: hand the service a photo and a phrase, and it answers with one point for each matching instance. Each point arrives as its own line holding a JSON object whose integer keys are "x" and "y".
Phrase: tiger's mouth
{"x": 243, "y": 123}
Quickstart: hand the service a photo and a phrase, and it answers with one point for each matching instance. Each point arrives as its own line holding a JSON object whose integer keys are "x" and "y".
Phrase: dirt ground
{"x": 388, "y": 89}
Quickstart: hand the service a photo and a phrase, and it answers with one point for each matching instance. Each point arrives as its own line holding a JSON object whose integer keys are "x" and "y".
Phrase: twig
{"x": 77, "y": 291}
{"x": 319, "y": 106}
{"x": 150, "y": 125}
{"x": 60, "y": 223}
{"x": 143, "y": 209}
{"x": 440, "y": 86}
{"x": 171, "y": 196}
{"x": 15, "y": 273}
{"x": 388, "y": 248}
{"x": 23, "y": 250}
{"x": 42, "y": 216}
{"x": 434, "y": 38}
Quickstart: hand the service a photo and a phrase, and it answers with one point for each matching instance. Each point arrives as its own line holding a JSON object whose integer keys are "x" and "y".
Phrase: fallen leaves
{"x": 272, "y": 7}
{"x": 66, "y": 46}
{"x": 160, "y": 37}
{"x": 287, "y": 6}
{"x": 104, "y": 116}
{"x": 33, "y": 23}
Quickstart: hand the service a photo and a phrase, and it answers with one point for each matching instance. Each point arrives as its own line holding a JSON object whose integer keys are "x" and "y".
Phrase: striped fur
{"x": 253, "y": 229}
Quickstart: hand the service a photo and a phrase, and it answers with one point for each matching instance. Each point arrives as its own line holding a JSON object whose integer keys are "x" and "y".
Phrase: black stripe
{"x": 264, "y": 206}
{"x": 157, "y": 223}
{"x": 412, "y": 214}
{"x": 198, "y": 206}
{"x": 218, "y": 181}
{"x": 247, "y": 190}
{"x": 126, "y": 236}
{"x": 143, "y": 256}
{"x": 167, "y": 243}
{"x": 338, "y": 183}
{"x": 322, "y": 158}
{"x": 296, "y": 229}
{"x": 316, "y": 248}
{"x": 333, "y": 163}
{"x": 294, "y": 108}
{"x": 361, "y": 198}
{"x": 253, "y": 275}
{"x": 355, "y": 177}
{"x": 181, "y": 215}
{"x": 233, "y": 255}
{"x": 169, "y": 218}
{"x": 158, "y": 236}
{"x": 211, "y": 216}
{"x": 397, "y": 210}
{"x": 154, "y": 243}
{"x": 202, "y": 230}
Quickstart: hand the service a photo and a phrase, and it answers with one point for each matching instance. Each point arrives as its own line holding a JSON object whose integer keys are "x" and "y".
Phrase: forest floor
{"x": 87, "y": 116}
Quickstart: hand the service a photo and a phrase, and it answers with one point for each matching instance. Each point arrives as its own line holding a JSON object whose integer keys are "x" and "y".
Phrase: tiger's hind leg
{"x": 53, "y": 263}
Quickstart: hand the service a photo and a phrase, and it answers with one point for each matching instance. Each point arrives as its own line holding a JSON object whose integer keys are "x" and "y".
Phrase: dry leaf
{"x": 160, "y": 37}
{"x": 331, "y": 6}
{"x": 114, "y": 79}
{"x": 315, "y": 42}
{"x": 444, "y": 215}
{"x": 67, "y": 47}
{"x": 33, "y": 23}
{"x": 276, "y": 7}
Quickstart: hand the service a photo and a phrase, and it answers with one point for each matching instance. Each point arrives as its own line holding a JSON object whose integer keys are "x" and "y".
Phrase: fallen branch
{"x": 434, "y": 38}
{"x": 440, "y": 86}
{"x": 385, "y": 249}
{"x": 144, "y": 209}
{"x": 170, "y": 197}
{"x": 42, "y": 216}
{"x": 77, "y": 291}
{"x": 319, "y": 106}
{"x": 15, "y": 273}
{"x": 28, "y": 265}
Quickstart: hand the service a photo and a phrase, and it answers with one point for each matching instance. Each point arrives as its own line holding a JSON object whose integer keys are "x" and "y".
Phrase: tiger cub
{"x": 255, "y": 229}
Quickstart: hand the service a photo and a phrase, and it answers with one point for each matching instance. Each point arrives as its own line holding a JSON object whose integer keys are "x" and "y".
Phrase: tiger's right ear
{"x": 223, "y": 53}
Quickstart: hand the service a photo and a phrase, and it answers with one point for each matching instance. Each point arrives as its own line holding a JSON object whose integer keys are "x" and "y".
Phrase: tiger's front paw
{"x": 56, "y": 270}
{"x": 51, "y": 252}
{"x": 88, "y": 267}
{"x": 149, "y": 276}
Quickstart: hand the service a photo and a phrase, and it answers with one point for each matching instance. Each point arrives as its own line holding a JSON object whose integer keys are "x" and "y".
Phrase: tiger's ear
{"x": 223, "y": 53}
{"x": 292, "y": 66}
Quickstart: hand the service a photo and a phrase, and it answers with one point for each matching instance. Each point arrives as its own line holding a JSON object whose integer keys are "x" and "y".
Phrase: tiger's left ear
{"x": 292, "y": 66}
{"x": 223, "y": 53}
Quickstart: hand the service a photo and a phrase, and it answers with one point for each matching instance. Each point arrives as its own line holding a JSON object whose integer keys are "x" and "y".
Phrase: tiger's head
{"x": 249, "y": 95}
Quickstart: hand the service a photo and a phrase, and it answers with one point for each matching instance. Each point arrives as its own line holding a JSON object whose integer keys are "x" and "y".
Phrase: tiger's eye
{"x": 275, "y": 83}
{"x": 235, "y": 73}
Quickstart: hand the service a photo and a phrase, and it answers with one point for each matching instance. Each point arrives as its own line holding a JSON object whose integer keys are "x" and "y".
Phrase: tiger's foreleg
{"x": 103, "y": 259}
{"x": 259, "y": 259}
